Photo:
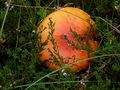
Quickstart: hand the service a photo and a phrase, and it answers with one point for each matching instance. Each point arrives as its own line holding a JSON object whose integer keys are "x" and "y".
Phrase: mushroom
{"x": 69, "y": 33}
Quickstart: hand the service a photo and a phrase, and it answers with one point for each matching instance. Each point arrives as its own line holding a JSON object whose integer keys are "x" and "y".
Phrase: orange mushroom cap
{"x": 67, "y": 21}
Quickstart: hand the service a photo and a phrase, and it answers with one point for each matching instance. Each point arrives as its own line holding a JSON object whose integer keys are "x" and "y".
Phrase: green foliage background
{"x": 20, "y": 67}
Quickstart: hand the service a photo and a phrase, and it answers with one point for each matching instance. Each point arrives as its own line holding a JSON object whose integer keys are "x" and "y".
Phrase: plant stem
{"x": 117, "y": 30}
{"x": 1, "y": 31}
{"x": 34, "y": 83}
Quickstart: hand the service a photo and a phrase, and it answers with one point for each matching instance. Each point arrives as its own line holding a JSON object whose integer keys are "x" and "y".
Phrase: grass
{"x": 20, "y": 67}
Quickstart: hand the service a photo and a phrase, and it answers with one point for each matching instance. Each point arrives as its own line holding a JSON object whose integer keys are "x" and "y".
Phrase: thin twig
{"x": 3, "y": 23}
{"x": 115, "y": 29}
{"x": 26, "y": 6}
{"x": 106, "y": 55}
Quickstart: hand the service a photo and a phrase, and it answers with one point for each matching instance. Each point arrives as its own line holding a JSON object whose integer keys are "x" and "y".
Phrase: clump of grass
{"x": 54, "y": 43}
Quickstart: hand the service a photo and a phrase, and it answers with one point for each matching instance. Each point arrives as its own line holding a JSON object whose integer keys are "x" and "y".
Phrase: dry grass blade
{"x": 115, "y": 28}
